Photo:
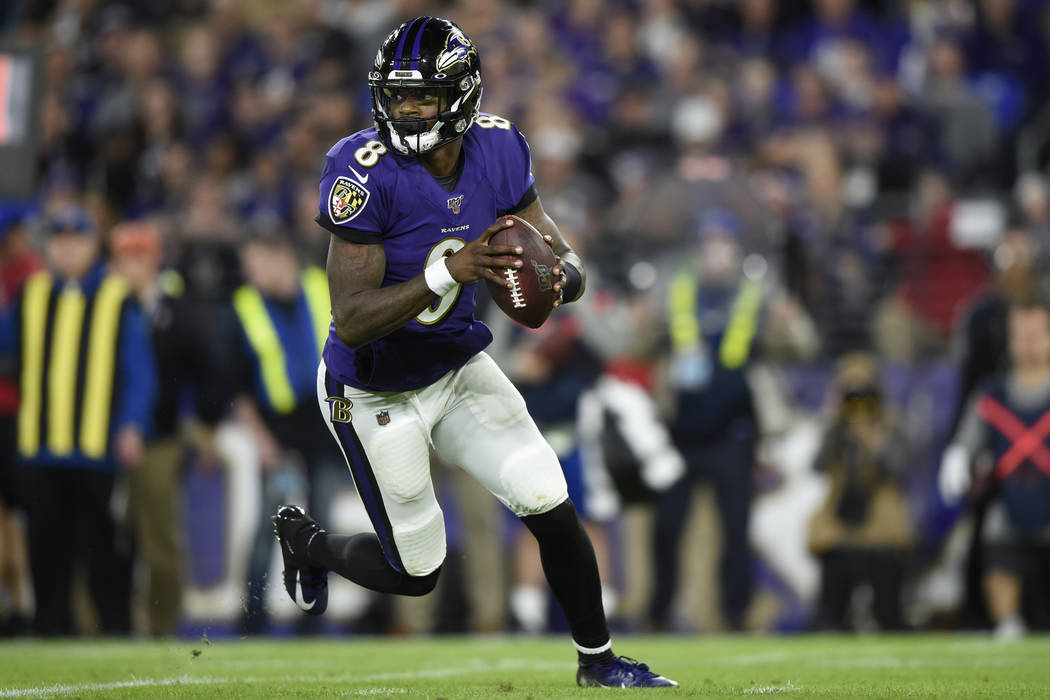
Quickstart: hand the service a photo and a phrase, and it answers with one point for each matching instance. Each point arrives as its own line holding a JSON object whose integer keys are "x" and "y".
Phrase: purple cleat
{"x": 622, "y": 673}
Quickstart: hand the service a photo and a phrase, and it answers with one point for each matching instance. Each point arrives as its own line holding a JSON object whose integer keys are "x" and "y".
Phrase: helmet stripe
{"x": 415, "y": 47}
{"x": 400, "y": 53}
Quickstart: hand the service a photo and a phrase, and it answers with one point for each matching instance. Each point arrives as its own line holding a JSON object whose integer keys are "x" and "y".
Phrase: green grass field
{"x": 919, "y": 666}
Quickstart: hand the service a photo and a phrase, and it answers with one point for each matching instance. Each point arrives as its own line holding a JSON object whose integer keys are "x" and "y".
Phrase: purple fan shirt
{"x": 370, "y": 194}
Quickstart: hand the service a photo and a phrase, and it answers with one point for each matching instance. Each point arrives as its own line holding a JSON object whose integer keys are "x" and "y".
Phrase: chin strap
{"x": 401, "y": 143}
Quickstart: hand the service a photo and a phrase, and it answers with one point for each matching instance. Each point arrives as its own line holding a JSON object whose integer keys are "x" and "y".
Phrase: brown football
{"x": 530, "y": 299}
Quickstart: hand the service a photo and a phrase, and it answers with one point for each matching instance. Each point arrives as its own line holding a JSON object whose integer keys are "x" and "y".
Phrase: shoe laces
{"x": 634, "y": 664}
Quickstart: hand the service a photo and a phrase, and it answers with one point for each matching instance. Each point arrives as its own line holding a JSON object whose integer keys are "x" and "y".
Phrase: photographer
{"x": 862, "y": 531}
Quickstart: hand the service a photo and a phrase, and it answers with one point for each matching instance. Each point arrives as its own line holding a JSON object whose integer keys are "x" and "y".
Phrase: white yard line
{"x": 477, "y": 666}
{"x": 376, "y": 691}
{"x": 770, "y": 689}
{"x": 61, "y": 689}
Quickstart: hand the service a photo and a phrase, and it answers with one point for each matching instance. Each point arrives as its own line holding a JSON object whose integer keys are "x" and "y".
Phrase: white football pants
{"x": 473, "y": 417}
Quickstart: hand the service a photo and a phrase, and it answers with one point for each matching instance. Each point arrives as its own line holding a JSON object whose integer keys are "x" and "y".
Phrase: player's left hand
{"x": 559, "y": 274}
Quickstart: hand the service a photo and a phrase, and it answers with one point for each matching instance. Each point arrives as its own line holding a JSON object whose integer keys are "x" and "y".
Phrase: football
{"x": 531, "y": 297}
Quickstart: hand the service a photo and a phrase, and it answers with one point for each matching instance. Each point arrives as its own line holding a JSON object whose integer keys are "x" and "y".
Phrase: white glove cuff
{"x": 439, "y": 279}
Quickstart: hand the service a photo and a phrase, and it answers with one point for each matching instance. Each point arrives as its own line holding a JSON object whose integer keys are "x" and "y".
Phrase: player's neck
{"x": 441, "y": 162}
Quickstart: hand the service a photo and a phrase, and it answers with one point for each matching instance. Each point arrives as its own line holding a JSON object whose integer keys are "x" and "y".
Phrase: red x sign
{"x": 1027, "y": 442}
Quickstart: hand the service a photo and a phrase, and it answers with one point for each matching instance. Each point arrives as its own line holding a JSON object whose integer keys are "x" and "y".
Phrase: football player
{"x": 410, "y": 204}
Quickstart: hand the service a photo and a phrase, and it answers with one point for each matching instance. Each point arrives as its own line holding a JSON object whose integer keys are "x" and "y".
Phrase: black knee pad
{"x": 556, "y": 522}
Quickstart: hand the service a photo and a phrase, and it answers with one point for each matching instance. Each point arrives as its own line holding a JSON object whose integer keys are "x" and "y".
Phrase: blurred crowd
{"x": 817, "y": 235}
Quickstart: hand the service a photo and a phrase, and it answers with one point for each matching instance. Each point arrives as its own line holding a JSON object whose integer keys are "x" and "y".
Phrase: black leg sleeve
{"x": 572, "y": 572}
{"x": 360, "y": 559}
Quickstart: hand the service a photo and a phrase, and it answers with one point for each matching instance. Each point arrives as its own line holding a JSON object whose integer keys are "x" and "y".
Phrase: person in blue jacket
{"x": 87, "y": 384}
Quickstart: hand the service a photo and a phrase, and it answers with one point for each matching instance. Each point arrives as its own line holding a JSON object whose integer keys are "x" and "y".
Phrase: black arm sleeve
{"x": 526, "y": 199}
{"x": 352, "y": 235}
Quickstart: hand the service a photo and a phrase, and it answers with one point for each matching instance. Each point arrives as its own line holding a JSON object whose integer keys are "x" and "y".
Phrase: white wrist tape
{"x": 439, "y": 279}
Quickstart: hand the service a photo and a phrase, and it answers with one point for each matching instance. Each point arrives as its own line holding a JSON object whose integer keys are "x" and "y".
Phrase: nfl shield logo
{"x": 454, "y": 203}
{"x": 383, "y": 417}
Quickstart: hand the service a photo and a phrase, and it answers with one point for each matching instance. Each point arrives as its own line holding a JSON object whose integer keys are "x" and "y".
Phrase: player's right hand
{"x": 479, "y": 260}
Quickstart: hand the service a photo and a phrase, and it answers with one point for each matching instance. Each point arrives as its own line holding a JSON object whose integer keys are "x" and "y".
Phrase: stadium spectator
{"x": 936, "y": 274}
{"x": 1032, "y": 197}
{"x": 752, "y": 31}
{"x": 980, "y": 335}
{"x": 720, "y": 308}
{"x": 18, "y": 261}
{"x": 901, "y": 137}
{"x": 1006, "y": 422}
{"x": 277, "y": 324}
{"x": 88, "y": 384}
{"x": 184, "y": 367}
{"x": 965, "y": 135}
{"x": 628, "y": 459}
{"x": 1007, "y": 48}
{"x": 863, "y": 532}
{"x": 199, "y": 84}
{"x": 833, "y": 25}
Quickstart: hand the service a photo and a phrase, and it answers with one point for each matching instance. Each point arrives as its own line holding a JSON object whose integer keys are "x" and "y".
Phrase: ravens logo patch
{"x": 346, "y": 200}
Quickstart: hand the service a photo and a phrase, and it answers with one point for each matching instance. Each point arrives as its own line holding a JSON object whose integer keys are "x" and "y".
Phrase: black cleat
{"x": 306, "y": 585}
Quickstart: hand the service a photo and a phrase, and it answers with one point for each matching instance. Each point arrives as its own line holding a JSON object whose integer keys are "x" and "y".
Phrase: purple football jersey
{"x": 371, "y": 194}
